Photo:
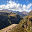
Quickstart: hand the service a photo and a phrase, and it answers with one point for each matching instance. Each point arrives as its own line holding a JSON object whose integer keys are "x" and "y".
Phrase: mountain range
{"x": 23, "y": 13}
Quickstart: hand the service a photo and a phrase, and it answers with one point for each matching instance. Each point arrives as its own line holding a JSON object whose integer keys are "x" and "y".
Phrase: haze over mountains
{"x": 23, "y": 13}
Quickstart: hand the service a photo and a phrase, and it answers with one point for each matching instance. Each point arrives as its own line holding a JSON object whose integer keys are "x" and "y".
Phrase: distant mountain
{"x": 30, "y": 13}
{"x": 5, "y": 10}
{"x": 23, "y": 13}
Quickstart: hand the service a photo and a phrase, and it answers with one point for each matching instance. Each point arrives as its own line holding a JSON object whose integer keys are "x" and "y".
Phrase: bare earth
{"x": 8, "y": 28}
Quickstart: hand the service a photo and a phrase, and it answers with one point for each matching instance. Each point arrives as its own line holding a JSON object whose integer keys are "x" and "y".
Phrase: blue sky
{"x": 24, "y": 3}
{"x": 3, "y": 2}
{"x": 17, "y": 1}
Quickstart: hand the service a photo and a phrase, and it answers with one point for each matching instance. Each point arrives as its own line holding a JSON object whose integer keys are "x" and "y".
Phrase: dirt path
{"x": 8, "y": 28}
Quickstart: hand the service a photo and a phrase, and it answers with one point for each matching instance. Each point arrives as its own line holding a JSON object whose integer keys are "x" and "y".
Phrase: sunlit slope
{"x": 25, "y": 25}
{"x": 5, "y": 11}
{"x": 22, "y": 26}
{"x": 12, "y": 14}
{"x": 8, "y": 28}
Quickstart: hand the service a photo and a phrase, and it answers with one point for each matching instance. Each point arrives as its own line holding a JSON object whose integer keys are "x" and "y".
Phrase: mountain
{"x": 7, "y": 19}
{"x": 30, "y": 13}
{"x": 23, "y": 13}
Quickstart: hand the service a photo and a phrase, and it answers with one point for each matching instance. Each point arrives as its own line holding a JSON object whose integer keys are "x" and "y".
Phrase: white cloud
{"x": 16, "y": 7}
{"x": 29, "y": 5}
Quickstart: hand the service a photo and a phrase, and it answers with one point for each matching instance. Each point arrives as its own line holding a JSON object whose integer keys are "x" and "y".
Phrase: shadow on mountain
{"x": 6, "y": 21}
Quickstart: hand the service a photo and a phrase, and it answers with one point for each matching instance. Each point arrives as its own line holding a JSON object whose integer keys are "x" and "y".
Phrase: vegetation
{"x": 6, "y": 19}
{"x": 24, "y": 23}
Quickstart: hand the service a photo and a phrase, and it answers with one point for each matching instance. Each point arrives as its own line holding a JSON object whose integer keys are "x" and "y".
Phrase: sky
{"x": 16, "y": 5}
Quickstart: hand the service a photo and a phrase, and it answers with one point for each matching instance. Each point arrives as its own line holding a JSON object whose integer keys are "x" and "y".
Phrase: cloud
{"x": 16, "y": 7}
{"x": 27, "y": 7}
